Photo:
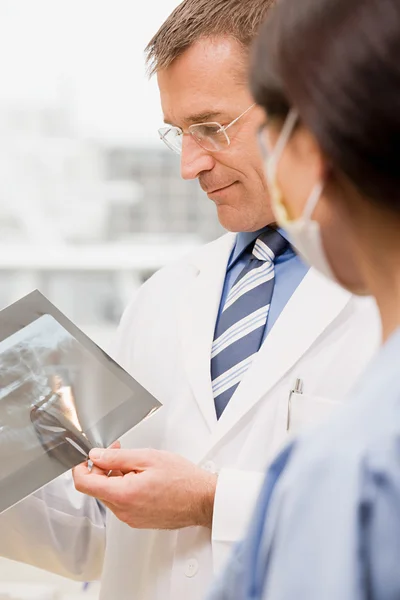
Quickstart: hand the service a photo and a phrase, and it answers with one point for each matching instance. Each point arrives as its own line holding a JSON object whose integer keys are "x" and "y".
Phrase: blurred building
{"x": 87, "y": 221}
{"x": 55, "y": 185}
{"x": 50, "y": 178}
{"x": 165, "y": 205}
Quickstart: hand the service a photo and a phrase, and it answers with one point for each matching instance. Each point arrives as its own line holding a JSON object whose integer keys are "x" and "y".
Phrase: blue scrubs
{"x": 327, "y": 524}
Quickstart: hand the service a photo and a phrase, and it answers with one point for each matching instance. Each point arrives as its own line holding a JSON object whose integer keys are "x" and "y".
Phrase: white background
{"x": 88, "y": 53}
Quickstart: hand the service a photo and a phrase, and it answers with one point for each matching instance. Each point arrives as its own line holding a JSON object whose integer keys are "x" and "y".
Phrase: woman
{"x": 327, "y": 73}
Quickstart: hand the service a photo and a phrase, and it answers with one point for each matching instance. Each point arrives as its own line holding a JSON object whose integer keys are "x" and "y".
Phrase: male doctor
{"x": 241, "y": 343}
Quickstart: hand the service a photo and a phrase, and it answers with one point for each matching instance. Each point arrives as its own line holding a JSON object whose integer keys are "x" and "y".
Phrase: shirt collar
{"x": 243, "y": 241}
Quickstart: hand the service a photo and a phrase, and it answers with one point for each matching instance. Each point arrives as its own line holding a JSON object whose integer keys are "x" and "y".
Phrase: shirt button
{"x": 192, "y": 566}
{"x": 210, "y": 466}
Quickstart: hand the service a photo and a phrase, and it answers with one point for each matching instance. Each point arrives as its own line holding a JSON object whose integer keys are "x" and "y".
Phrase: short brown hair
{"x": 196, "y": 19}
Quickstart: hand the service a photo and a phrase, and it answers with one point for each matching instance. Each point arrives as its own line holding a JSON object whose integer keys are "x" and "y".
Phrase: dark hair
{"x": 195, "y": 19}
{"x": 338, "y": 63}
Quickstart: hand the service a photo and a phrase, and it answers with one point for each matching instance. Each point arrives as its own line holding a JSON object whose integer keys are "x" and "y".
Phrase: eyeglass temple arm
{"x": 237, "y": 118}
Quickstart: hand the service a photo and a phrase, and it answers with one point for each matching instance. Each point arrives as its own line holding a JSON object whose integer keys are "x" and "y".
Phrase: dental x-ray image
{"x": 60, "y": 395}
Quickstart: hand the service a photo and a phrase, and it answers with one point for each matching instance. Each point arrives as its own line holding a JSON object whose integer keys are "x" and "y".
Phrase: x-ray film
{"x": 60, "y": 396}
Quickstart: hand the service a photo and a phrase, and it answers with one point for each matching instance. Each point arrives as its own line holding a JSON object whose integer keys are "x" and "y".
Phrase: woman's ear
{"x": 307, "y": 151}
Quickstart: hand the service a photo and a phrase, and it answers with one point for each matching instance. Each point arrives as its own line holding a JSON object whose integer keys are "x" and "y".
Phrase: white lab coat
{"x": 324, "y": 336}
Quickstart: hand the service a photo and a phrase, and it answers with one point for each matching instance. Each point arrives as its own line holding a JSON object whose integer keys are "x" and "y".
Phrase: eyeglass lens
{"x": 209, "y": 136}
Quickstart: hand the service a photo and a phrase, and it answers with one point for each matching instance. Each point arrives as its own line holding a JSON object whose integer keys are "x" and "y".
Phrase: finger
{"x": 81, "y": 470}
{"x": 115, "y": 473}
{"x": 122, "y": 460}
{"x": 110, "y": 490}
{"x": 98, "y": 470}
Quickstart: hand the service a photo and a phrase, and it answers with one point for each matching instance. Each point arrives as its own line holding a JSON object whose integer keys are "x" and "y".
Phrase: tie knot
{"x": 269, "y": 245}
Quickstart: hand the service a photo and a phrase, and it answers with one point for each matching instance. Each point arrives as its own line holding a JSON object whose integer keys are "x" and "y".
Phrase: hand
{"x": 154, "y": 490}
{"x": 98, "y": 471}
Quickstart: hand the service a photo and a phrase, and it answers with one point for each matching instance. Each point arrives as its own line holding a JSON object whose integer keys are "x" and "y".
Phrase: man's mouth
{"x": 218, "y": 189}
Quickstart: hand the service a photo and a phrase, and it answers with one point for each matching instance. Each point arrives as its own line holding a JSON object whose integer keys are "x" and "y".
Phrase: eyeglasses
{"x": 210, "y": 136}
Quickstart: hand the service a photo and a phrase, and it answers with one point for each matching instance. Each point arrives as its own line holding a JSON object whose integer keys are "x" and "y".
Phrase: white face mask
{"x": 304, "y": 233}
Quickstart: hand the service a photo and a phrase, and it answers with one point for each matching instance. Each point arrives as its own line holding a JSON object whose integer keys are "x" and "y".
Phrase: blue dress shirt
{"x": 327, "y": 524}
{"x": 289, "y": 271}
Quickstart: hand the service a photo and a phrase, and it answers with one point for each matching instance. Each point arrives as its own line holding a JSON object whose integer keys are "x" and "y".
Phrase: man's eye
{"x": 210, "y": 129}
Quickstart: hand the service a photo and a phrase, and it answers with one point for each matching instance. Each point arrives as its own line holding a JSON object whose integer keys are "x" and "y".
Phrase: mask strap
{"x": 313, "y": 200}
{"x": 284, "y": 136}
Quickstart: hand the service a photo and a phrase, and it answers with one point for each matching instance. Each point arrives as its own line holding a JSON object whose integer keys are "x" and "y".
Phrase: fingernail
{"x": 96, "y": 453}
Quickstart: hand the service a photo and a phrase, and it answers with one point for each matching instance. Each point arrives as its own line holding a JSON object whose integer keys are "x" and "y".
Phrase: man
{"x": 221, "y": 339}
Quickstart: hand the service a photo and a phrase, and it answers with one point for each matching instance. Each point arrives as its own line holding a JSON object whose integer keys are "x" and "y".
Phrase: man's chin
{"x": 234, "y": 221}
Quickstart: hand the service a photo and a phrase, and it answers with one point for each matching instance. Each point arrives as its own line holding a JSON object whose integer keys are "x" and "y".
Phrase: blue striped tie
{"x": 239, "y": 331}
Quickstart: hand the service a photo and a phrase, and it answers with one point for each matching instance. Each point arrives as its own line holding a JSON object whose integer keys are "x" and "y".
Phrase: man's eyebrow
{"x": 203, "y": 117}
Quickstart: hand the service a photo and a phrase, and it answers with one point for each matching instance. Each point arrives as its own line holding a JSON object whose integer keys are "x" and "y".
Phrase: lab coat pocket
{"x": 305, "y": 410}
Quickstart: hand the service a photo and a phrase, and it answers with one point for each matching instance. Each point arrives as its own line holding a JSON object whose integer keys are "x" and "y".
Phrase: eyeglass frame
{"x": 162, "y": 132}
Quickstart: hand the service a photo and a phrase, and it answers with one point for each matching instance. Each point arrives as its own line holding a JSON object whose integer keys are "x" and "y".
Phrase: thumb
{"x": 96, "y": 469}
{"x": 121, "y": 460}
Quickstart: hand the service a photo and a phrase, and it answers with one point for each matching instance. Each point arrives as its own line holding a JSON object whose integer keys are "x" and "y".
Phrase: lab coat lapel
{"x": 198, "y": 316}
{"x": 310, "y": 310}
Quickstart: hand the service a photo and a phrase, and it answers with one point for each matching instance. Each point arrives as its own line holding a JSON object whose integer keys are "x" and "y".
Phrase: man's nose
{"x": 194, "y": 159}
